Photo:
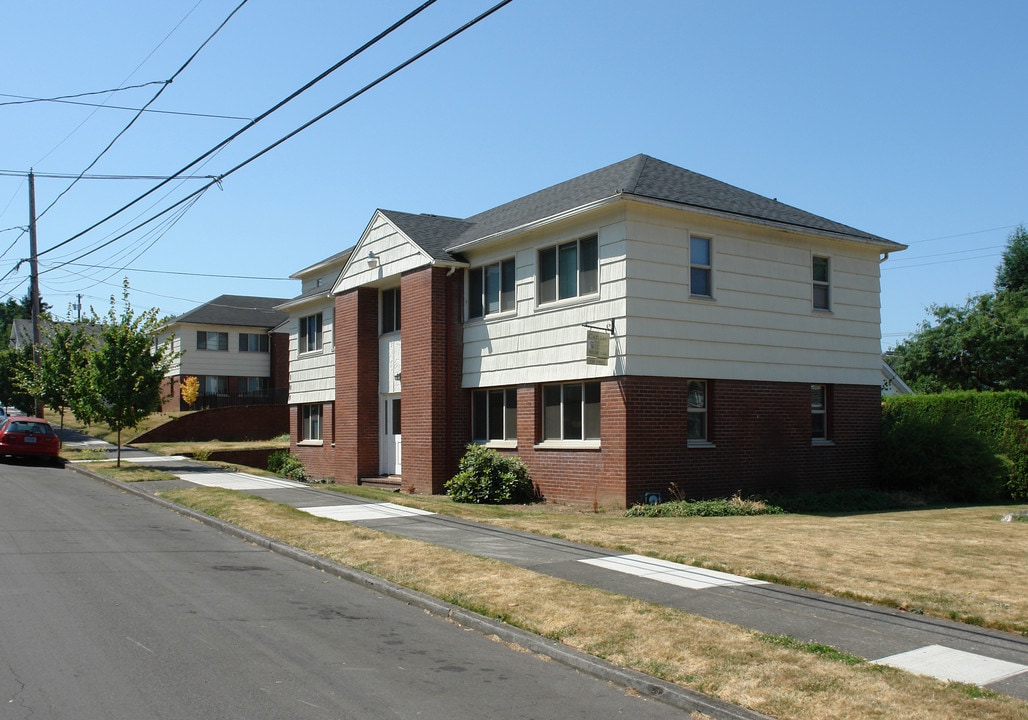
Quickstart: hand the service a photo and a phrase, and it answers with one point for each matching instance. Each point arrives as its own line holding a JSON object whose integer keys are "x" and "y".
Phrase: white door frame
{"x": 390, "y": 441}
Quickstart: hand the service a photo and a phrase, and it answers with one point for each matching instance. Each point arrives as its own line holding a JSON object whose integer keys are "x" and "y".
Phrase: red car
{"x": 29, "y": 437}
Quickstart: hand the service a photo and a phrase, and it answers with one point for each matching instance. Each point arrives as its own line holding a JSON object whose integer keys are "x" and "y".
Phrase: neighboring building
{"x": 232, "y": 345}
{"x": 312, "y": 364}
{"x": 21, "y": 331}
{"x": 633, "y": 329}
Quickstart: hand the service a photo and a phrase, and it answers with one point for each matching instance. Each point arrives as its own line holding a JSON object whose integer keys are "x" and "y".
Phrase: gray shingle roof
{"x": 641, "y": 176}
{"x": 433, "y": 233}
{"x": 241, "y": 310}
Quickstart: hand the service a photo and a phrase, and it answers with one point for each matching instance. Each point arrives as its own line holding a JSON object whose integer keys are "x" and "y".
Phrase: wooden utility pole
{"x": 34, "y": 283}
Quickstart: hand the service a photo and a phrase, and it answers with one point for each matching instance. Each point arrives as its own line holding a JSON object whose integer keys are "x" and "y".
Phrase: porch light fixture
{"x": 372, "y": 260}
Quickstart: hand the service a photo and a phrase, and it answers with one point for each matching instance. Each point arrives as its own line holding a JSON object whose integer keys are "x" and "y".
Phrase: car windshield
{"x": 33, "y": 428}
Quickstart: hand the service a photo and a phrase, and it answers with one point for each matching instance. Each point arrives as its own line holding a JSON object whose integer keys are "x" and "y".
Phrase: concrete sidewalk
{"x": 924, "y": 645}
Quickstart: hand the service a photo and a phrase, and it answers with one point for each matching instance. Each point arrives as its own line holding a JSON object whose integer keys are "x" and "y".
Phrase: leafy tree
{"x": 982, "y": 345}
{"x": 190, "y": 390}
{"x": 125, "y": 375}
{"x": 63, "y": 357}
{"x": 13, "y": 365}
{"x": 1012, "y": 275}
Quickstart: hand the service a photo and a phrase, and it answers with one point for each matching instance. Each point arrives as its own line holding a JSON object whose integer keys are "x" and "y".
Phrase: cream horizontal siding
{"x": 759, "y": 324}
{"x": 312, "y": 375}
{"x": 229, "y": 362}
{"x": 548, "y": 343}
{"x": 394, "y": 252}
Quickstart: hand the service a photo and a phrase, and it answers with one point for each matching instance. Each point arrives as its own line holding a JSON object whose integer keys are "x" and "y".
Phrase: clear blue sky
{"x": 905, "y": 119}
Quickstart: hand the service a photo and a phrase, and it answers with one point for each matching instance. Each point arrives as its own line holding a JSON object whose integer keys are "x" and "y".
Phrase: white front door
{"x": 390, "y": 439}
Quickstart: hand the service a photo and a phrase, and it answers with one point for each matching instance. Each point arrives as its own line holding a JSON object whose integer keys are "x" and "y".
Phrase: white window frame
{"x": 555, "y": 416}
{"x": 500, "y": 421}
{"x": 390, "y": 322}
{"x": 586, "y": 279}
{"x": 823, "y": 286}
{"x": 819, "y": 399}
{"x": 504, "y": 297}
{"x": 307, "y": 323}
{"x": 697, "y": 410}
{"x": 254, "y": 342}
{"x": 312, "y": 424}
{"x": 705, "y": 269}
{"x": 208, "y": 335}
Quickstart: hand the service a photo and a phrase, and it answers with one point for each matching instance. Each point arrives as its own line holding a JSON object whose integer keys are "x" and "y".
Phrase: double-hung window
{"x": 821, "y": 285}
{"x": 569, "y": 270}
{"x": 309, "y": 339}
{"x": 253, "y": 342}
{"x": 571, "y": 411}
{"x": 491, "y": 289}
{"x": 494, "y": 415}
{"x": 390, "y": 310}
{"x": 700, "y": 267}
{"x": 214, "y": 384}
{"x": 310, "y": 422}
{"x": 818, "y": 412}
{"x": 696, "y": 422}
{"x": 253, "y": 386}
{"x": 210, "y": 340}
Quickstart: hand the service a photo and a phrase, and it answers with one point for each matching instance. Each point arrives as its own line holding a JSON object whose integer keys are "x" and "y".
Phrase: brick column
{"x": 355, "y": 339}
{"x": 434, "y": 418}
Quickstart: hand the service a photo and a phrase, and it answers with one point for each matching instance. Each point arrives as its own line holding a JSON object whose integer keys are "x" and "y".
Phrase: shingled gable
{"x": 239, "y": 310}
{"x": 432, "y": 233}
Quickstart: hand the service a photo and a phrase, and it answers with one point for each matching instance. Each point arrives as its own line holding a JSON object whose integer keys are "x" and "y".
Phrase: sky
{"x": 908, "y": 120}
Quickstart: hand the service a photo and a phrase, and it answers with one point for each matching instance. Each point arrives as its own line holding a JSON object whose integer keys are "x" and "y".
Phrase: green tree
{"x": 125, "y": 374}
{"x": 63, "y": 357}
{"x": 13, "y": 366}
{"x": 982, "y": 345}
{"x": 1012, "y": 274}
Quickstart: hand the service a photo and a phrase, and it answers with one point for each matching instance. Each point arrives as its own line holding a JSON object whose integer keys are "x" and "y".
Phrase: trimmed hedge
{"x": 957, "y": 446}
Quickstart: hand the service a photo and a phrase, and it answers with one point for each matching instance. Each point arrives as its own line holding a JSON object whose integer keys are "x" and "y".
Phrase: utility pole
{"x": 34, "y": 282}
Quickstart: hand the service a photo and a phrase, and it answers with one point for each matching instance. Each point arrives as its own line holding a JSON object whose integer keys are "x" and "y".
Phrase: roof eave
{"x": 886, "y": 245}
{"x": 541, "y": 222}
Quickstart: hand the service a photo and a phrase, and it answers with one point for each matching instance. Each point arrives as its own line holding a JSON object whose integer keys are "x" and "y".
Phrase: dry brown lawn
{"x": 859, "y": 554}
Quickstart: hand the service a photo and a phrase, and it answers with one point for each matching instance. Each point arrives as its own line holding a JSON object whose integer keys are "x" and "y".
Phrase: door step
{"x": 385, "y": 482}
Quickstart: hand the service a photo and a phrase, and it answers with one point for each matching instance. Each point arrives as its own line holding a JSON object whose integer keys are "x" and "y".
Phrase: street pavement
{"x": 924, "y": 645}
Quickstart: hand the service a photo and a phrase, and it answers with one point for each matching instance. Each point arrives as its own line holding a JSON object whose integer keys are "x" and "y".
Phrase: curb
{"x": 647, "y": 686}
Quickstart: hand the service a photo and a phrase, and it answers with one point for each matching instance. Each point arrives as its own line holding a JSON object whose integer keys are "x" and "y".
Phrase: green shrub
{"x": 1015, "y": 441}
{"x": 287, "y": 465}
{"x": 960, "y": 446}
{"x": 725, "y": 507}
{"x": 487, "y": 476}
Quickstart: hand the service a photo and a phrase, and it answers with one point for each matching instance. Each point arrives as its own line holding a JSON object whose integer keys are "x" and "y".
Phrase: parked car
{"x": 29, "y": 437}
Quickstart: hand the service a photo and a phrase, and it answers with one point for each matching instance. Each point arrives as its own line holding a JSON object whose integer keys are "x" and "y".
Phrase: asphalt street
{"x": 113, "y": 608}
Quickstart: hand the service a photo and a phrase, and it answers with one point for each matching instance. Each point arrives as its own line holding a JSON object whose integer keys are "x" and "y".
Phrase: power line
{"x": 414, "y": 13}
{"x": 107, "y": 106}
{"x": 25, "y": 100}
{"x": 80, "y": 176}
{"x": 382, "y": 78}
{"x": 188, "y": 274}
{"x": 152, "y": 100}
{"x": 966, "y": 234}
